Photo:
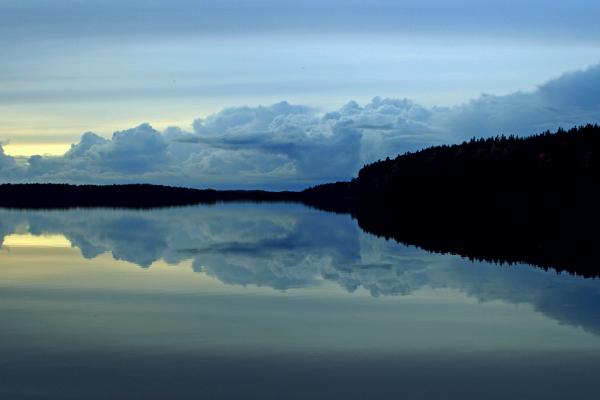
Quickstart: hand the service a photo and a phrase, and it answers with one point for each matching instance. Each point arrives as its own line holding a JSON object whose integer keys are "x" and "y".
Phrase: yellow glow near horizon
{"x": 32, "y": 149}
{"x": 29, "y": 240}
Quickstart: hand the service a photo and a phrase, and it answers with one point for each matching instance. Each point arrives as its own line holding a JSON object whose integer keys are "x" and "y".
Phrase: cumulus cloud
{"x": 6, "y": 162}
{"x": 133, "y": 151}
{"x": 293, "y": 146}
{"x": 294, "y": 134}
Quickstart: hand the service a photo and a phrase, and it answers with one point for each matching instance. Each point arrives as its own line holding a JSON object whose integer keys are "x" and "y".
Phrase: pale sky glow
{"x": 70, "y": 67}
{"x": 29, "y": 240}
{"x": 29, "y": 149}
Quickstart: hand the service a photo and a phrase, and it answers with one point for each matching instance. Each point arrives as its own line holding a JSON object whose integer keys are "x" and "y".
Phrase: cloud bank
{"x": 285, "y": 146}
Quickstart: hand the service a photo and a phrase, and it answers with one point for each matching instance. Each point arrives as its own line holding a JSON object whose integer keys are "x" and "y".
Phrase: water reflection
{"x": 289, "y": 246}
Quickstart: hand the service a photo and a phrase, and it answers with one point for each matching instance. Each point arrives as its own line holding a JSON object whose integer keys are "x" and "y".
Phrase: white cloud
{"x": 294, "y": 146}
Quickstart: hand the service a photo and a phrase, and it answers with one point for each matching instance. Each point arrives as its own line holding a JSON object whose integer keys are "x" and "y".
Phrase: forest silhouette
{"x": 504, "y": 199}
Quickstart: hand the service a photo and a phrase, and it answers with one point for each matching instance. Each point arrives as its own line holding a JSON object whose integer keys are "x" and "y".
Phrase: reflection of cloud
{"x": 290, "y": 246}
{"x": 285, "y": 145}
{"x": 565, "y": 298}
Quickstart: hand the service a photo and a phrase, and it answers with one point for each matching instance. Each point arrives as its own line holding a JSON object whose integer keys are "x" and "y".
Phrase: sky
{"x": 278, "y": 94}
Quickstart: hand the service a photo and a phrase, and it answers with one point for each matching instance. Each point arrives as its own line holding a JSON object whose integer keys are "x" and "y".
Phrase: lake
{"x": 276, "y": 301}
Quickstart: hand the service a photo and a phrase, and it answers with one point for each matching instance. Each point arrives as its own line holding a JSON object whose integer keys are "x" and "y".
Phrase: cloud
{"x": 294, "y": 133}
{"x": 572, "y": 99}
{"x": 6, "y": 162}
{"x": 285, "y": 146}
{"x": 132, "y": 151}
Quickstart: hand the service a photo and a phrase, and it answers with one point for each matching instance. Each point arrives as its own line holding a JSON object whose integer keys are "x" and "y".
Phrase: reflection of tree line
{"x": 503, "y": 199}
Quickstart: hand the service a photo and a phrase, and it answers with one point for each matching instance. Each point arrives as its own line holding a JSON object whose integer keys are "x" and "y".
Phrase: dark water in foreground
{"x": 276, "y": 301}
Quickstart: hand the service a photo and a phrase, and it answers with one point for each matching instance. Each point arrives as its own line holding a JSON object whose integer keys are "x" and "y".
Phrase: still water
{"x": 276, "y": 301}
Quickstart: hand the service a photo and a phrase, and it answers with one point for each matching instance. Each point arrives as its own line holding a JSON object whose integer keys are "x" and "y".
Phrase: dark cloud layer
{"x": 293, "y": 146}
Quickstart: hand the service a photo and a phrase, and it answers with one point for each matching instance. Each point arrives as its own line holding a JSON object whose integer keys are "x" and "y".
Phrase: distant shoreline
{"x": 50, "y": 195}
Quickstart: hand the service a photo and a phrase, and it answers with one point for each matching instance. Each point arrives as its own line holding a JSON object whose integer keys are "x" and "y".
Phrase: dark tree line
{"x": 42, "y": 195}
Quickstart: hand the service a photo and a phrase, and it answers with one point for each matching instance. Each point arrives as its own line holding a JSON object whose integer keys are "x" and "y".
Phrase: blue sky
{"x": 73, "y": 66}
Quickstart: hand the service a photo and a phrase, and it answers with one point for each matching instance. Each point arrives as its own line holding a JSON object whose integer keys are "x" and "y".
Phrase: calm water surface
{"x": 276, "y": 301}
